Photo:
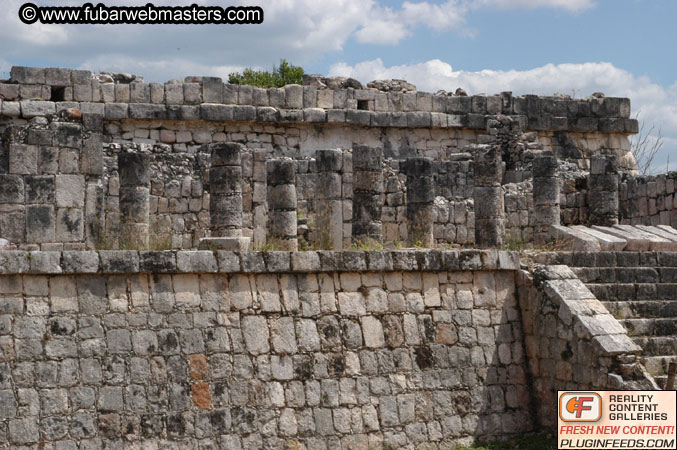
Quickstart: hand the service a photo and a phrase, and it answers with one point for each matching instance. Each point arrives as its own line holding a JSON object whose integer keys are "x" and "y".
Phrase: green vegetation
{"x": 367, "y": 244}
{"x": 514, "y": 244}
{"x": 284, "y": 74}
{"x": 531, "y": 442}
{"x": 271, "y": 245}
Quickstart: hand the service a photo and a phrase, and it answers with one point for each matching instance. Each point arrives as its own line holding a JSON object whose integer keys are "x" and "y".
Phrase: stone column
{"x": 329, "y": 208}
{"x": 368, "y": 190}
{"x": 603, "y": 183}
{"x": 420, "y": 200}
{"x": 225, "y": 190}
{"x": 546, "y": 189}
{"x": 134, "y": 169}
{"x": 225, "y": 198}
{"x": 281, "y": 194}
{"x": 488, "y": 196}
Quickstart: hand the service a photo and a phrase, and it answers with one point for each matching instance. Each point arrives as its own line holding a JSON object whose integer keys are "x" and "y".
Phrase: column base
{"x": 233, "y": 244}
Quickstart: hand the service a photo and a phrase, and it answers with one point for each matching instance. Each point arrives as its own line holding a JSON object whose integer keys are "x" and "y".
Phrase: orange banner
{"x": 617, "y": 420}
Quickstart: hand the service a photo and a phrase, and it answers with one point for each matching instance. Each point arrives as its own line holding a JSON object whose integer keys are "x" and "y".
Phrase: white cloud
{"x": 382, "y": 32}
{"x": 568, "y": 5}
{"x": 175, "y": 68}
{"x": 655, "y": 104}
{"x": 299, "y": 30}
{"x": 446, "y": 16}
{"x": 383, "y": 25}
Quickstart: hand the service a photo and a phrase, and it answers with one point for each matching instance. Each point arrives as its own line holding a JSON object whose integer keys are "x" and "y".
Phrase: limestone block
{"x": 196, "y": 262}
{"x": 336, "y": 116}
{"x": 33, "y": 108}
{"x": 256, "y": 334}
{"x": 260, "y": 97}
{"x": 173, "y": 94}
{"x": 192, "y": 94}
{"x": 230, "y": 93}
{"x": 325, "y": 98}
{"x": 116, "y": 111}
{"x": 70, "y": 191}
{"x": 216, "y": 112}
{"x": 309, "y": 96}
{"x": 80, "y": 262}
{"x": 108, "y": 92}
{"x": 283, "y": 335}
{"x": 212, "y": 90}
{"x": 69, "y": 225}
{"x": 40, "y": 223}
{"x": 119, "y": 261}
{"x": 31, "y": 92}
{"x": 27, "y": 75}
{"x": 122, "y": 93}
{"x": 305, "y": 261}
{"x": 315, "y": 115}
{"x": 157, "y": 93}
{"x": 9, "y": 91}
{"x": 293, "y": 96}
{"x": 82, "y": 92}
{"x": 351, "y": 304}
{"x": 11, "y": 189}
{"x": 244, "y": 113}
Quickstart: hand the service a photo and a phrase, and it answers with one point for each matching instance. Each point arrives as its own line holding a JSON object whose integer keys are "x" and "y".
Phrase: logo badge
{"x": 580, "y": 407}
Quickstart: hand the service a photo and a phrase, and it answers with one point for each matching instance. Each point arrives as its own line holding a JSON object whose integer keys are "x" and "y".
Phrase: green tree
{"x": 284, "y": 74}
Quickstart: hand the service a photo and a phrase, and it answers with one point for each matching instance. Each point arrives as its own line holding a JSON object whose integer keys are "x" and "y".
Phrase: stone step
{"x": 645, "y": 309}
{"x": 574, "y": 240}
{"x": 667, "y": 228}
{"x": 657, "y": 365}
{"x": 638, "y": 240}
{"x": 661, "y": 380}
{"x": 633, "y": 291}
{"x": 660, "y": 232}
{"x": 609, "y": 259}
{"x": 606, "y": 241}
{"x": 657, "y": 345}
{"x": 626, "y": 274}
{"x": 658, "y": 242}
{"x": 651, "y": 326}
{"x": 623, "y": 274}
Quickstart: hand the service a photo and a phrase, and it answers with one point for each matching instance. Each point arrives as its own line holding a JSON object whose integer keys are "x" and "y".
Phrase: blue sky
{"x": 576, "y": 47}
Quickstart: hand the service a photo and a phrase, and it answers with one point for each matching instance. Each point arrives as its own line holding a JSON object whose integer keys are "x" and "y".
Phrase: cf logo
{"x": 580, "y": 407}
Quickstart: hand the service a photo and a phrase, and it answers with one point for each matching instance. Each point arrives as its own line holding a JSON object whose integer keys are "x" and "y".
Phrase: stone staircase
{"x": 640, "y": 290}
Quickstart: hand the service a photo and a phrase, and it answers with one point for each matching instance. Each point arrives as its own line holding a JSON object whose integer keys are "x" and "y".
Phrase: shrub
{"x": 284, "y": 74}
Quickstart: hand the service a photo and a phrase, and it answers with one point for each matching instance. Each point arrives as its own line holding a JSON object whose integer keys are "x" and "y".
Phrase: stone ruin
{"x": 321, "y": 266}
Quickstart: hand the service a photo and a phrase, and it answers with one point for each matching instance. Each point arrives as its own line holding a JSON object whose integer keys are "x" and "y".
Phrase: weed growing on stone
{"x": 513, "y": 244}
{"x": 367, "y": 244}
{"x": 159, "y": 240}
{"x": 270, "y": 245}
{"x": 100, "y": 239}
{"x": 322, "y": 241}
{"x": 557, "y": 245}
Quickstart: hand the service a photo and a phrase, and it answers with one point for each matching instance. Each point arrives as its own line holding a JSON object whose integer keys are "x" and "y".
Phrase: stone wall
{"x": 50, "y": 188}
{"x": 648, "y": 200}
{"x": 572, "y": 341}
{"x": 260, "y": 350}
{"x": 174, "y": 121}
{"x": 375, "y": 349}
